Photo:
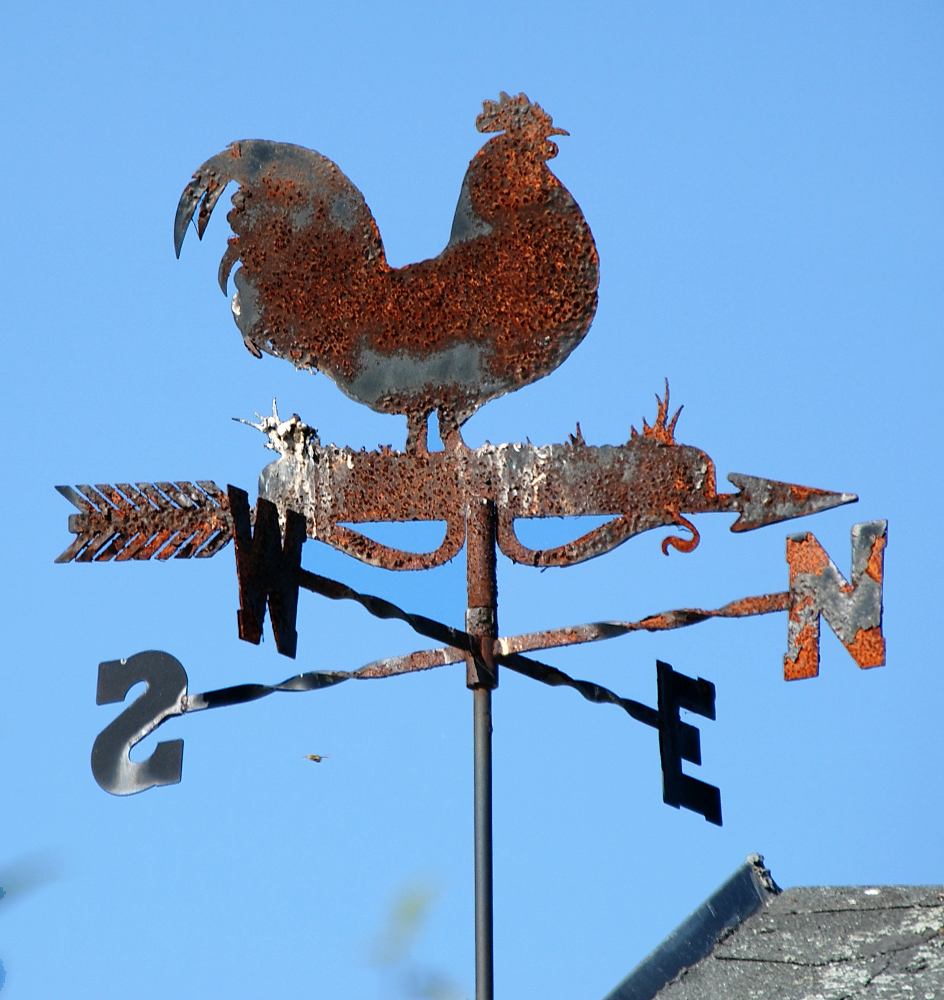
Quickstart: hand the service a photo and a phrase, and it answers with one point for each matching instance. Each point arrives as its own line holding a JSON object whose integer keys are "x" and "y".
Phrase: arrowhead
{"x": 767, "y": 501}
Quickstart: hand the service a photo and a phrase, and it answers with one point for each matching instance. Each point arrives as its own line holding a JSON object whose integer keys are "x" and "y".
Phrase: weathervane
{"x": 506, "y": 302}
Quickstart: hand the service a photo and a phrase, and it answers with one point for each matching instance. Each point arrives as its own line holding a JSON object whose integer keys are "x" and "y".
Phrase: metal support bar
{"x": 481, "y": 616}
{"x": 484, "y": 934}
{"x": 481, "y": 623}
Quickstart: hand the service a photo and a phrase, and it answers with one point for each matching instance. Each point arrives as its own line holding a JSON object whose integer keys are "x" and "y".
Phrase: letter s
{"x": 166, "y": 689}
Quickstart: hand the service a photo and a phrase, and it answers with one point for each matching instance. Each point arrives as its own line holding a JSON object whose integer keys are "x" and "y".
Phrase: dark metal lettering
{"x": 267, "y": 564}
{"x": 166, "y": 682}
{"x": 679, "y": 741}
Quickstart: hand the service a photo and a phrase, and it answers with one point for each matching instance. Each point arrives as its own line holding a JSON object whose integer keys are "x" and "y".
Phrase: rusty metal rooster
{"x": 508, "y": 299}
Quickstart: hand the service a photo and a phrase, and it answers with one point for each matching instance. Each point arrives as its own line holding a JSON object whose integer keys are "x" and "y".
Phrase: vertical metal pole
{"x": 484, "y": 934}
{"x": 481, "y": 621}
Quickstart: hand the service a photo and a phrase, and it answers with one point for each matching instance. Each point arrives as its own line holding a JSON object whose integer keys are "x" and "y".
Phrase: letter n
{"x": 852, "y": 610}
{"x": 267, "y": 565}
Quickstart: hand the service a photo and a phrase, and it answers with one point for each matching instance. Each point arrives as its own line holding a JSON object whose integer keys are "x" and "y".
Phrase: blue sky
{"x": 763, "y": 182}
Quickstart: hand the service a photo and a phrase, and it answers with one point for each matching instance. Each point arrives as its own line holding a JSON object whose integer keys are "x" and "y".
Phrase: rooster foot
{"x": 449, "y": 431}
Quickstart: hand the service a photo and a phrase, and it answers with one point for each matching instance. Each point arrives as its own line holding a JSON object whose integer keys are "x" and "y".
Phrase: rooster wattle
{"x": 507, "y": 300}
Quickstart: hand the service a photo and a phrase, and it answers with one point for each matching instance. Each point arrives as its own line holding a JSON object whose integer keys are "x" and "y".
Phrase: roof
{"x": 750, "y": 940}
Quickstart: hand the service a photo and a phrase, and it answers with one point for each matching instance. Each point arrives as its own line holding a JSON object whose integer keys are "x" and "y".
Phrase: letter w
{"x": 267, "y": 566}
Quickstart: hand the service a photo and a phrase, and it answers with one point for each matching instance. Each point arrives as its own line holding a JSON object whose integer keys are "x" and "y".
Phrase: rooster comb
{"x": 509, "y": 114}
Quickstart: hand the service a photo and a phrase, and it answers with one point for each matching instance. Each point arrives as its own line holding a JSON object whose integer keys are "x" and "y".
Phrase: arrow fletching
{"x": 161, "y": 520}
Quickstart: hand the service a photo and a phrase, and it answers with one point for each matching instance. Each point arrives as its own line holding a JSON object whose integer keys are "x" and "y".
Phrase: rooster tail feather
{"x": 287, "y": 180}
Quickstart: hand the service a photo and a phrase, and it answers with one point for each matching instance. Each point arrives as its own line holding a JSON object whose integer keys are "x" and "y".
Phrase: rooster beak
{"x": 558, "y": 131}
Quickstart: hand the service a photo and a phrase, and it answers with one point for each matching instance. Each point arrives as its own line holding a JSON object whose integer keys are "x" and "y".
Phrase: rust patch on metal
{"x": 763, "y": 604}
{"x": 875, "y": 567}
{"x": 508, "y": 299}
{"x": 806, "y": 555}
{"x": 481, "y": 616}
{"x": 868, "y": 647}
{"x": 805, "y": 663}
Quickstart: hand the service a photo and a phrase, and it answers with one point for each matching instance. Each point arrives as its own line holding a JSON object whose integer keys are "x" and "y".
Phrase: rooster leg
{"x": 449, "y": 431}
{"x": 416, "y": 433}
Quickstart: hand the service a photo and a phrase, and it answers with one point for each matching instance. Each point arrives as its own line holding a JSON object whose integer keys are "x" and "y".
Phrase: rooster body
{"x": 507, "y": 300}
